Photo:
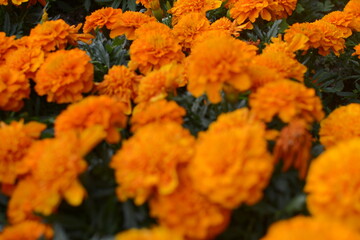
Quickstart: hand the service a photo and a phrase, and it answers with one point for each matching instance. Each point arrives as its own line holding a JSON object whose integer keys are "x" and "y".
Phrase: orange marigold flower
{"x": 340, "y": 125}
{"x": 301, "y": 227}
{"x": 3, "y": 2}
{"x": 357, "y": 51}
{"x": 16, "y": 137}
{"x": 121, "y": 84}
{"x": 226, "y": 25}
{"x": 154, "y": 46}
{"x": 153, "y": 4}
{"x": 238, "y": 171}
{"x": 159, "y": 111}
{"x": 293, "y": 146}
{"x": 281, "y": 8}
{"x": 341, "y": 20}
{"x": 215, "y": 63}
{"x": 27, "y": 230}
{"x": 182, "y": 7}
{"x": 324, "y": 36}
{"x": 278, "y": 45}
{"x": 189, "y": 27}
{"x": 128, "y": 22}
{"x": 94, "y": 110}
{"x": 53, "y": 167}
{"x": 288, "y": 100}
{"x": 100, "y": 18}
{"x": 157, "y": 233}
{"x": 333, "y": 180}
{"x": 353, "y": 9}
{"x": 261, "y": 75}
{"x": 143, "y": 165}
{"x": 157, "y": 84}
{"x": 14, "y": 87}
{"x": 26, "y": 60}
{"x": 198, "y": 218}
{"x": 65, "y": 75}
{"x": 243, "y": 10}
{"x": 6, "y": 43}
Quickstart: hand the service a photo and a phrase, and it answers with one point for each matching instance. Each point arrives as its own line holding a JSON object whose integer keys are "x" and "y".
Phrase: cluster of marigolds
{"x": 161, "y": 163}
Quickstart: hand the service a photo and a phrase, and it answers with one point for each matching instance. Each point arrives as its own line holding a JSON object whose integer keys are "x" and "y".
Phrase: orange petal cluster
{"x": 156, "y": 233}
{"x": 102, "y": 17}
{"x": 27, "y": 230}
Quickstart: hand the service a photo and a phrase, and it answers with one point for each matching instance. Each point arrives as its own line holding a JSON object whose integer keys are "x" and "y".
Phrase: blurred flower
{"x": 353, "y": 9}
{"x": 106, "y": 16}
{"x": 215, "y": 63}
{"x": 309, "y": 228}
{"x": 333, "y": 180}
{"x": 341, "y": 20}
{"x": 281, "y": 8}
{"x": 357, "y": 50}
{"x": 101, "y": 111}
{"x": 340, "y": 125}
{"x": 262, "y": 74}
{"x": 149, "y": 160}
{"x": 160, "y": 111}
{"x": 156, "y": 233}
{"x": 188, "y": 212}
{"x": 154, "y": 46}
{"x": 14, "y": 87}
{"x": 27, "y": 230}
{"x": 64, "y": 76}
{"x": 243, "y": 10}
{"x": 153, "y": 4}
{"x": 121, "y": 84}
{"x": 288, "y": 100}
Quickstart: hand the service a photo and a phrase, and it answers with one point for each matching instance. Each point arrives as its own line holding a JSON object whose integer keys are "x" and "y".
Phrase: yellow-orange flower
{"x": 236, "y": 172}
{"x": 341, "y": 20}
{"x": 189, "y": 27}
{"x": 3, "y": 2}
{"x": 157, "y": 84}
{"x": 261, "y": 75}
{"x": 128, "y": 22}
{"x": 340, "y": 125}
{"x": 159, "y": 111}
{"x": 26, "y": 60}
{"x": 243, "y": 10}
{"x": 309, "y": 228}
{"x": 157, "y": 233}
{"x": 100, "y": 18}
{"x": 353, "y": 9}
{"x": 121, "y": 84}
{"x": 154, "y": 46}
{"x": 52, "y": 167}
{"x": 153, "y": 4}
{"x": 197, "y": 218}
{"x": 215, "y": 63}
{"x": 281, "y": 8}
{"x": 288, "y": 100}
{"x": 27, "y": 230}
{"x": 149, "y": 160}
{"x": 64, "y": 76}
{"x": 324, "y": 36}
{"x": 333, "y": 180}
{"x": 94, "y": 110}
{"x": 182, "y": 7}
{"x": 293, "y": 146}
{"x": 14, "y": 87}
{"x": 16, "y": 137}
{"x": 226, "y": 25}
{"x": 357, "y": 51}
{"x": 6, "y": 43}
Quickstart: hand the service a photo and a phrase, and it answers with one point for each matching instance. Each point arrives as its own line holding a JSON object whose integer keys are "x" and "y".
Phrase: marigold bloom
{"x": 288, "y": 100}
{"x": 26, "y": 60}
{"x": 159, "y": 111}
{"x": 226, "y": 25}
{"x": 128, "y": 22}
{"x": 189, "y": 27}
{"x": 52, "y": 167}
{"x": 148, "y": 161}
{"x": 293, "y": 146}
{"x": 341, "y": 20}
{"x": 301, "y": 227}
{"x": 236, "y": 172}
{"x": 6, "y": 43}
{"x": 197, "y": 218}
{"x": 261, "y": 75}
{"x": 154, "y": 46}
{"x": 27, "y": 230}
{"x": 16, "y": 137}
{"x": 353, "y": 9}
{"x": 65, "y": 75}
{"x": 14, "y": 87}
{"x": 324, "y": 36}
{"x": 325, "y": 190}
{"x": 216, "y": 62}
{"x": 281, "y": 8}
{"x": 157, "y": 84}
{"x": 182, "y": 7}
{"x": 157, "y": 233}
{"x": 102, "y": 110}
{"x": 250, "y": 10}
{"x": 100, "y": 18}
{"x": 357, "y": 51}
{"x": 121, "y": 84}
{"x": 340, "y": 125}
{"x": 153, "y": 4}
